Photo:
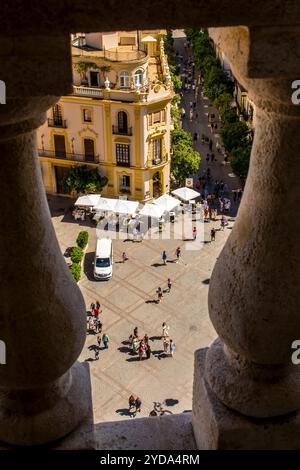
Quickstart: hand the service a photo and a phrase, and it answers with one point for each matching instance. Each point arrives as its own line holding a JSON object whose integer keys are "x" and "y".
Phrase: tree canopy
{"x": 83, "y": 180}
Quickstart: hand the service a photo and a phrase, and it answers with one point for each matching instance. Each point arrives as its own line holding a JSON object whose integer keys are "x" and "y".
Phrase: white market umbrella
{"x": 167, "y": 202}
{"x": 185, "y": 194}
{"x": 105, "y": 204}
{"x": 122, "y": 206}
{"x": 88, "y": 200}
{"x": 152, "y": 210}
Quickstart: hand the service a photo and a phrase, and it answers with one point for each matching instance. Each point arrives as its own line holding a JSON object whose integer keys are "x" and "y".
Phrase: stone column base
{"x": 217, "y": 427}
{"x": 82, "y": 437}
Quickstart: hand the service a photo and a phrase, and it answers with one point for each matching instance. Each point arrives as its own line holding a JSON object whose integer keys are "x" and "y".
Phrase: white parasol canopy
{"x": 186, "y": 194}
{"x": 152, "y": 210}
{"x": 88, "y": 200}
{"x": 125, "y": 207}
{"x": 105, "y": 204}
{"x": 118, "y": 206}
{"x": 167, "y": 202}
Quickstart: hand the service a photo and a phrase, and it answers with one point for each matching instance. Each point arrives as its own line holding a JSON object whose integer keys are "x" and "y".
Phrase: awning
{"x": 185, "y": 194}
{"x": 167, "y": 202}
{"x": 88, "y": 200}
{"x": 152, "y": 210}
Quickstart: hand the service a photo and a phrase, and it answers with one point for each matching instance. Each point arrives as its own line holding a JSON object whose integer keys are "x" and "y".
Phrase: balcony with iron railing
{"x": 57, "y": 122}
{"x": 121, "y": 131}
{"x": 123, "y": 163}
{"x": 76, "y": 157}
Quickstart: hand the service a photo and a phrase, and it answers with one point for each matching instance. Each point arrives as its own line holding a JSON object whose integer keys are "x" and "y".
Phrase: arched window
{"x": 124, "y": 79}
{"x": 122, "y": 122}
{"x": 138, "y": 78}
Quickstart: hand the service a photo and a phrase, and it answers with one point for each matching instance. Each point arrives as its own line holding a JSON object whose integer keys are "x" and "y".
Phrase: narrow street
{"x": 218, "y": 168}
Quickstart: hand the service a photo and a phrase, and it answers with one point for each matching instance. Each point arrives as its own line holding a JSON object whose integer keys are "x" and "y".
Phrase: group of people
{"x": 168, "y": 344}
{"x": 94, "y": 324}
{"x": 93, "y": 320}
{"x": 139, "y": 345}
{"x": 135, "y": 405}
{"x": 160, "y": 291}
{"x": 164, "y": 255}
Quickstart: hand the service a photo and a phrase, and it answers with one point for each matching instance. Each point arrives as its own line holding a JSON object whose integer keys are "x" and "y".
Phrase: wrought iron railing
{"x": 76, "y": 157}
{"x": 120, "y": 131}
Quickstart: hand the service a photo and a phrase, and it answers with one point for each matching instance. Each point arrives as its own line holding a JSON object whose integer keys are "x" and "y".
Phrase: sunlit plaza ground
{"x": 125, "y": 304}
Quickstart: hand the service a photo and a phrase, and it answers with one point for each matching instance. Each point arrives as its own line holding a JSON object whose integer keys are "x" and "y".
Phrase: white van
{"x": 103, "y": 259}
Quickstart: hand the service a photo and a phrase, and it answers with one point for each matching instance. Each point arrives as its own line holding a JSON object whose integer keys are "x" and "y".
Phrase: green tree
{"x": 83, "y": 180}
{"x": 240, "y": 159}
{"x": 185, "y": 161}
{"x": 235, "y": 135}
{"x": 181, "y": 136}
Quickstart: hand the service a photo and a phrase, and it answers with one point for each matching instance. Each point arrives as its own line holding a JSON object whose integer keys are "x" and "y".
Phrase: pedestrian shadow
{"x": 123, "y": 412}
{"x": 125, "y": 349}
{"x": 154, "y": 301}
{"x": 119, "y": 262}
{"x": 206, "y": 281}
{"x": 155, "y": 338}
{"x": 171, "y": 402}
{"x": 90, "y": 359}
{"x": 156, "y": 265}
{"x": 135, "y": 359}
{"x": 93, "y": 347}
{"x": 206, "y": 241}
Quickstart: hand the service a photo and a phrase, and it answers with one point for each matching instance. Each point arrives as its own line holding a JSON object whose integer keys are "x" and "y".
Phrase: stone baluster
{"x": 44, "y": 392}
{"x": 253, "y": 297}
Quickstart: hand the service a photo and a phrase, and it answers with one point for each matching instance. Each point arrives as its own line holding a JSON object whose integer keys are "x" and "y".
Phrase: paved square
{"x": 129, "y": 300}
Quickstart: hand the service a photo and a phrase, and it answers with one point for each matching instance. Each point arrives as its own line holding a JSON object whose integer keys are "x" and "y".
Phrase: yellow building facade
{"x": 117, "y": 119}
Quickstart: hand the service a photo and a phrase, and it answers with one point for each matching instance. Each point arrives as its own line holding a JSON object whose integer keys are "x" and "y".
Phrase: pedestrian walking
{"x": 135, "y": 332}
{"x": 212, "y": 156}
{"x": 135, "y": 344}
{"x": 164, "y": 257}
{"x": 131, "y": 402}
{"x": 92, "y": 307}
{"x": 97, "y": 352}
{"x": 96, "y": 312}
{"x": 146, "y": 339}
{"x": 165, "y": 330}
{"x": 105, "y": 340}
{"x": 223, "y": 221}
{"x": 210, "y": 145}
{"x": 99, "y": 340}
{"x": 212, "y": 235}
{"x": 98, "y": 305}
{"x": 141, "y": 350}
{"x": 178, "y": 253}
{"x": 194, "y": 233}
{"x": 169, "y": 285}
{"x": 138, "y": 404}
{"x": 124, "y": 257}
{"x": 172, "y": 347}
{"x": 98, "y": 325}
{"x": 148, "y": 351}
{"x": 159, "y": 294}
{"x": 166, "y": 343}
